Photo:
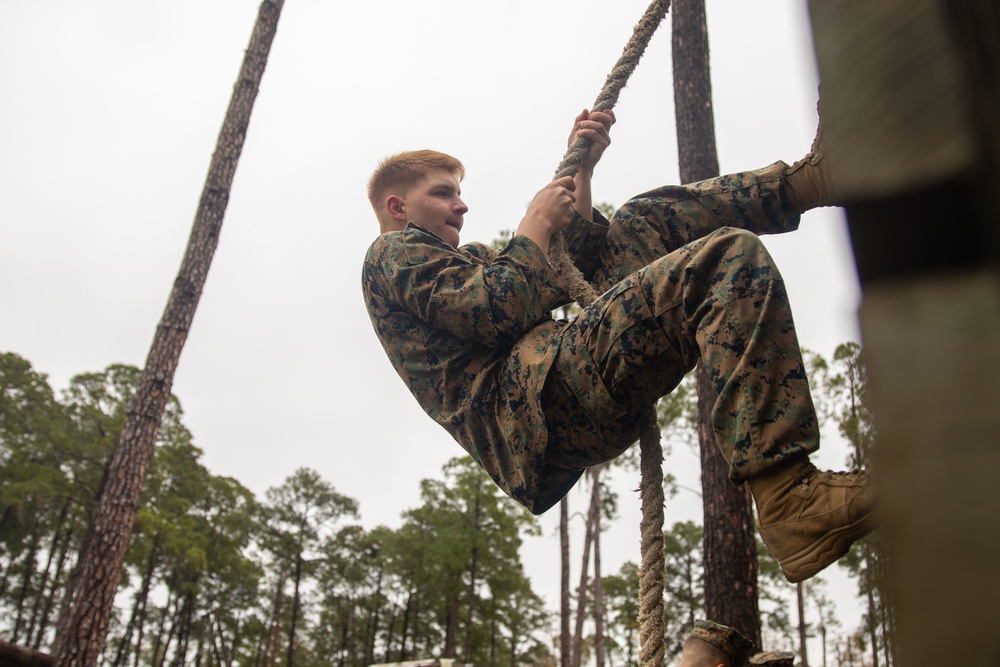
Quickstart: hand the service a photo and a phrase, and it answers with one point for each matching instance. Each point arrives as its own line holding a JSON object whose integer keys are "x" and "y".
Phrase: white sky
{"x": 109, "y": 113}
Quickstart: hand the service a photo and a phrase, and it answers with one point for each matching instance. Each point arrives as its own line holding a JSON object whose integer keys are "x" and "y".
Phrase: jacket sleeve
{"x": 479, "y": 295}
{"x": 584, "y": 240}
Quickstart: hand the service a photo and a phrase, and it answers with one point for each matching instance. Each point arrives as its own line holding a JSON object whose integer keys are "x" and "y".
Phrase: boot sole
{"x": 823, "y": 553}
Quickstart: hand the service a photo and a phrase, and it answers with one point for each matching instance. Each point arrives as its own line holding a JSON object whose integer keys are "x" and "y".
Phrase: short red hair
{"x": 398, "y": 173}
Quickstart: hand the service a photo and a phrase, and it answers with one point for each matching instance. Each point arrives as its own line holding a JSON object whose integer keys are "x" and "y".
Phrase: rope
{"x": 651, "y": 627}
{"x": 580, "y": 289}
{"x": 623, "y": 69}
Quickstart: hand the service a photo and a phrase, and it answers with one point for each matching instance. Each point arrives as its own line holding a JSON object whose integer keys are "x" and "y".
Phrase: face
{"x": 435, "y": 204}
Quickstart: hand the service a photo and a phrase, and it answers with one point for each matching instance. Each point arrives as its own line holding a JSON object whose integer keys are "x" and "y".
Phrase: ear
{"x": 394, "y": 204}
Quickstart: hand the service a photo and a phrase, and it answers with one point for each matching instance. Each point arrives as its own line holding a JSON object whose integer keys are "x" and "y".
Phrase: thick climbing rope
{"x": 652, "y": 639}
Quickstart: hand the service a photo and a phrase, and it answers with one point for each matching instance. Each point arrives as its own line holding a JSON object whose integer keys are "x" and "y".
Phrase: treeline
{"x": 215, "y": 576}
{"x": 218, "y": 577}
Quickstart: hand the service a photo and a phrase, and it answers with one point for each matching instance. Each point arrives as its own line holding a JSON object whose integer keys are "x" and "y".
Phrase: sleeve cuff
{"x": 552, "y": 288}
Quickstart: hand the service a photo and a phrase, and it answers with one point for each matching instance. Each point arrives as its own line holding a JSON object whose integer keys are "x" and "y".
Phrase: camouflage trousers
{"x": 717, "y": 297}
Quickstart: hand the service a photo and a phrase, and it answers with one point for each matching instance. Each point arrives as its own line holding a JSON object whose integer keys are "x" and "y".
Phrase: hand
{"x": 595, "y": 126}
{"x": 549, "y": 212}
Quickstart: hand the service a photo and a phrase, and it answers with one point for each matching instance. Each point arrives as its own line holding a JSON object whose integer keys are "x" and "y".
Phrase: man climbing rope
{"x": 684, "y": 277}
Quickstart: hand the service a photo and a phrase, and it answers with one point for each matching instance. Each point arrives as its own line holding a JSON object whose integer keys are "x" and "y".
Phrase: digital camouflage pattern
{"x": 534, "y": 400}
{"x": 773, "y": 659}
{"x": 724, "y": 638}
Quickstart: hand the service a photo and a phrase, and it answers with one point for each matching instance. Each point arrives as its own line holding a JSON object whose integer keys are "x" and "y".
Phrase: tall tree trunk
{"x": 822, "y": 631}
{"x": 296, "y": 602}
{"x": 199, "y": 652}
{"x": 184, "y": 630}
{"x": 143, "y": 614}
{"x": 406, "y": 625}
{"x": 234, "y": 643}
{"x": 83, "y": 623}
{"x": 451, "y": 625}
{"x": 564, "y": 640}
{"x": 40, "y": 606}
{"x": 158, "y": 639}
{"x": 138, "y": 607}
{"x": 62, "y": 546}
{"x": 373, "y": 618}
{"x": 803, "y": 629}
{"x": 390, "y": 632}
{"x": 8, "y": 512}
{"x": 581, "y": 591}
{"x": 175, "y": 620}
{"x": 598, "y": 588}
{"x": 216, "y": 638}
{"x": 416, "y": 627}
{"x": 467, "y": 653}
{"x": 274, "y": 631}
{"x": 872, "y": 607}
{"x": 494, "y": 631}
{"x": 729, "y": 547}
{"x": 29, "y": 569}
{"x": 344, "y": 631}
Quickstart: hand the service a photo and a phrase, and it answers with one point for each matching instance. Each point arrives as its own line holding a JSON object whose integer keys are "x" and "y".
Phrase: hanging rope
{"x": 651, "y": 627}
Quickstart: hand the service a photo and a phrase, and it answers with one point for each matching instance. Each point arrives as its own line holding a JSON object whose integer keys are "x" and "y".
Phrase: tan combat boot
{"x": 809, "y": 518}
{"x": 809, "y": 181}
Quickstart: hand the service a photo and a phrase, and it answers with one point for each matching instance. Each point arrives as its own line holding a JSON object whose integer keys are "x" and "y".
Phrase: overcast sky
{"x": 109, "y": 113}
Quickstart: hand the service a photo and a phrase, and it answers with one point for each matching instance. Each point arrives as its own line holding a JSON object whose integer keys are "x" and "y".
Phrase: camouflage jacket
{"x": 470, "y": 331}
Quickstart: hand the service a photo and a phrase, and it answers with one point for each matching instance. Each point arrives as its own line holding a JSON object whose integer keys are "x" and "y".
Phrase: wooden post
{"x": 912, "y": 109}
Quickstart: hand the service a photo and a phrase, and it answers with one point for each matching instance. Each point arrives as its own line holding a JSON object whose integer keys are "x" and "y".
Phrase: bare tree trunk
{"x": 803, "y": 634}
{"x": 50, "y": 599}
{"x": 390, "y": 632}
{"x": 345, "y": 629}
{"x": 872, "y": 608}
{"x": 29, "y": 569}
{"x": 138, "y": 607}
{"x": 36, "y": 625}
{"x": 296, "y": 602}
{"x": 271, "y": 651}
{"x": 467, "y": 652}
{"x": 406, "y": 626}
{"x": 374, "y": 618}
{"x": 184, "y": 631}
{"x": 729, "y": 546}
{"x": 215, "y": 638}
{"x": 83, "y": 623}
{"x": 416, "y": 627}
{"x": 451, "y": 626}
{"x": 581, "y": 591}
{"x": 158, "y": 640}
{"x": 175, "y": 620}
{"x": 598, "y": 588}
{"x": 494, "y": 631}
{"x": 564, "y": 637}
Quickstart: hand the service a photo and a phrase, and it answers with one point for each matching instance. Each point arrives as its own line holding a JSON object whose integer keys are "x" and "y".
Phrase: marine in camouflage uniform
{"x": 535, "y": 400}
{"x": 684, "y": 276}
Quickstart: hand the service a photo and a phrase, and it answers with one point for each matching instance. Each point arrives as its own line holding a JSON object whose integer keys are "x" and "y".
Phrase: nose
{"x": 460, "y": 206}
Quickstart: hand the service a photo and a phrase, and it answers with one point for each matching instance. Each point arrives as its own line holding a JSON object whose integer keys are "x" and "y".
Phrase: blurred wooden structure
{"x": 911, "y": 103}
